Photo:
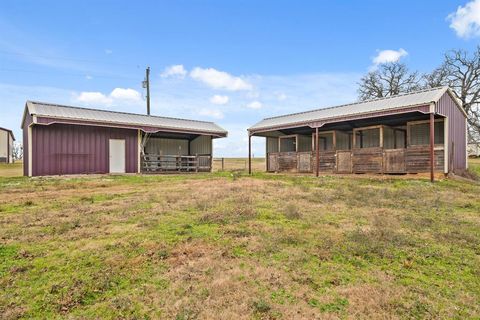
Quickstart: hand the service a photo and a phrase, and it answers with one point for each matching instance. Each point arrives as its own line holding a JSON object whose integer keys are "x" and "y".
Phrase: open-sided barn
{"x": 62, "y": 140}
{"x": 6, "y": 145}
{"x": 422, "y": 131}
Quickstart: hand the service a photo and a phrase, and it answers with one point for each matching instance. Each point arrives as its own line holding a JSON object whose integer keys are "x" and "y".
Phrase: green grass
{"x": 225, "y": 245}
{"x": 474, "y": 165}
{"x": 11, "y": 170}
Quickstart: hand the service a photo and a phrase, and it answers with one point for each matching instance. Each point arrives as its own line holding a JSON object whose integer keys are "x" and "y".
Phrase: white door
{"x": 117, "y": 156}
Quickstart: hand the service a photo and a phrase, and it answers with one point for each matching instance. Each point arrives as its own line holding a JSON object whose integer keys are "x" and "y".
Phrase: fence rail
{"x": 152, "y": 163}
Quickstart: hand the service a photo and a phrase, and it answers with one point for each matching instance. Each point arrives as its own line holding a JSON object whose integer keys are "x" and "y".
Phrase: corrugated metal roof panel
{"x": 84, "y": 114}
{"x": 399, "y": 101}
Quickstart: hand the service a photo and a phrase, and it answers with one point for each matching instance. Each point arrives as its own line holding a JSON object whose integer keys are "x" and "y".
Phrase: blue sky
{"x": 232, "y": 62}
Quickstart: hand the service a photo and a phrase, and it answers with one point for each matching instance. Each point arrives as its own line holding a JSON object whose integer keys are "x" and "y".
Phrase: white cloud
{"x": 186, "y": 99}
{"x": 212, "y": 113}
{"x": 219, "y": 79}
{"x": 88, "y": 77}
{"x": 108, "y": 51}
{"x": 118, "y": 95}
{"x": 466, "y": 20}
{"x": 177, "y": 70}
{"x": 218, "y": 99}
{"x": 93, "y": 98}
{"x": 254, "y": 105}
{"x": 386, "y": 56}
{"x": 125, "y": 94}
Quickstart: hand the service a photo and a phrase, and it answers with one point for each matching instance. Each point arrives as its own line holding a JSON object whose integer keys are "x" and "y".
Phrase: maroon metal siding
{"x": 457, "y": 132}
{"x": 27, "y": 122}
{"x": 74, "y": 149}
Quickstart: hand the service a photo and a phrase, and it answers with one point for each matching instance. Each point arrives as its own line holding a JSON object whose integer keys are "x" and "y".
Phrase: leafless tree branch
{"x": 389, "y": 79}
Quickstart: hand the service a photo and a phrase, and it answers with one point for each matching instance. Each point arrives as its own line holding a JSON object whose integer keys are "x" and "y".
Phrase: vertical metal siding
{"x": 4, "y": 143}
{"x": 457, "y": 132}
{"x": 272, "y": 144}
{"x": 10, "y": 148}
{"x": 343, "y": 140}
{"x": 28, "y": 120}
{"x": 388, "y": 138}
{"x": 164, "y": 146}
{"x": 74, "y": 149}
{"x": 304, "y": 143}
{"x": 201, "y": 145}
{"x": 420, "y": 133}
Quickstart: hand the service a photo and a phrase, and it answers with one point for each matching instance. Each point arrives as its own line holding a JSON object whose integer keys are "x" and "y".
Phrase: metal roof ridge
{"x": 112, "y": 111}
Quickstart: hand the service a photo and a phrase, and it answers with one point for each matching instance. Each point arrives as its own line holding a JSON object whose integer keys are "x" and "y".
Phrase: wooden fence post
{"x": 249, "y": 154}
{"x": 197, "y": 162}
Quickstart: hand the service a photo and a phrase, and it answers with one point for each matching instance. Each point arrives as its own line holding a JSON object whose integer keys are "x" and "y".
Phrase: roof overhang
{"x": 46, "y": 121}
{"x": 317, "y": 123}
{"x": 49, "y": 120}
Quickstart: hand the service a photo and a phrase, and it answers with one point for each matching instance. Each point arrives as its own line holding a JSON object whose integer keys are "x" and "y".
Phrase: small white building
{"x": 6, "y": 145}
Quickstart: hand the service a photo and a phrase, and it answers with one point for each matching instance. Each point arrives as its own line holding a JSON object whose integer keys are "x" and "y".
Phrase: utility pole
{"x": 146, "y": 84}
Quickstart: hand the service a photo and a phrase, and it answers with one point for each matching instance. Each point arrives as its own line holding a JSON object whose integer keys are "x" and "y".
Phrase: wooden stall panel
{"x": 394, "y": 161}
{"x": 368, "y": 160}
{"x": 418, "y": 159}
{"x": 327, "y": 161}
{"x": 272, "y": 162}
{"x": 305, "y": 162}
{"x": 344, "y": 161}
{"x": 287, "y": 161}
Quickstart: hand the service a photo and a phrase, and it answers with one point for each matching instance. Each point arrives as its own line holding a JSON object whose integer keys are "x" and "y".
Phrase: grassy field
{"x": 474, "y": 166}
{"x": 228, "y": 246}
{"x": 11, "y": 170}
{"x": 239, "y": 164}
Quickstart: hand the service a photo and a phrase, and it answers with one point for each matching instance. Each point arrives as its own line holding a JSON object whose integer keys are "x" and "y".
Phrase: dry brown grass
{"x": 223, "y": 247}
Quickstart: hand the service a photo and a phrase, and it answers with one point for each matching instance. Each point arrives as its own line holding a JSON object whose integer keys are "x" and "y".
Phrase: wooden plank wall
{"x": 367, "y": 160}
{"x": 305, "y": 163}
{"x": 272, "y": 162}
{"x": 287, "y": 161}
{"x": 394, "y": 161}
{"x": 327, "y": 161}
{"x": 418, "y": 159}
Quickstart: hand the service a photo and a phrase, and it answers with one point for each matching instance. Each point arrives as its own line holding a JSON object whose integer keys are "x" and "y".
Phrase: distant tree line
{"x": 460, "y": 70}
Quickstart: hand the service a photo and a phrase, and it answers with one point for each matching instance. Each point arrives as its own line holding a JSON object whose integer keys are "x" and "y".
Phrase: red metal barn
{"x": 423, "y": 131}
{"x": 60, "y": 140}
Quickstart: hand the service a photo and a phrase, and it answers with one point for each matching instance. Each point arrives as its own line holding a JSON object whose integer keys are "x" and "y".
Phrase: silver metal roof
{"x": 121, "y": 118}
{"x": 421, "y": 97}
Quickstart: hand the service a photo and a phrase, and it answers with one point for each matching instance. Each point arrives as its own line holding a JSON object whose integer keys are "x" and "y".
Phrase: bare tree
{"x": 437, "y": 78}
{"x": 389, "y": 79}
{"x": 17, "y": 151}
{"x": 461, "y": 72}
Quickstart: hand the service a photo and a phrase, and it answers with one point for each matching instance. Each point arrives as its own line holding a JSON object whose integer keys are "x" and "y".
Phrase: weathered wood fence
{"x": 155, "y": 163}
